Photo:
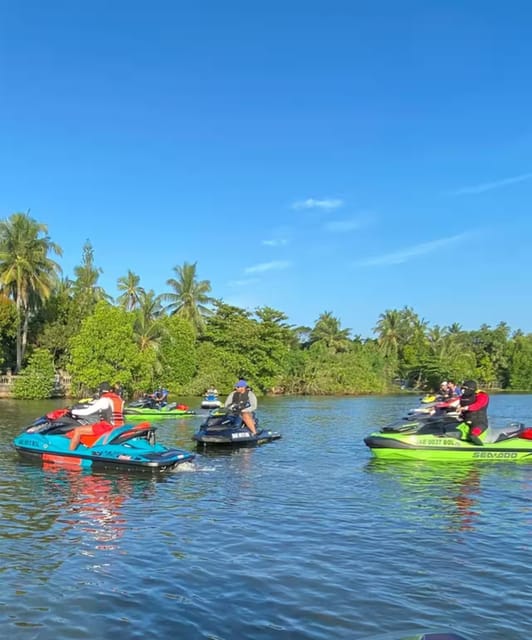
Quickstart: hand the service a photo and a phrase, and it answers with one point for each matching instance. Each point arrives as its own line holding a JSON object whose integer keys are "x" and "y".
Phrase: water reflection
{"x": 309, "y": 537}
{"x": 86, "y": 502}
{"x": 422, "y": 488}
{"x": 93, "y": 503}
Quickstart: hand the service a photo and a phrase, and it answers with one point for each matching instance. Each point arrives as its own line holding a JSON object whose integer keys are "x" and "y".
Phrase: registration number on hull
{"x": 439, "y": 442}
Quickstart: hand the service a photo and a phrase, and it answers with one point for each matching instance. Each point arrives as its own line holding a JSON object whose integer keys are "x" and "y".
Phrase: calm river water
{"x": 304, "y": 538}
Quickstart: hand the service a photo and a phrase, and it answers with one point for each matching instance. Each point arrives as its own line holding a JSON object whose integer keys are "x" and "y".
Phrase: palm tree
{"x": 147, "y": 328}
{"x": 327, "y": 331}
{"x": 189, "y": 296}
{"x": 454, "y": 329}
{"x": 389, "y": 330}
{"x": 85, "y": 286}
{"x": 27, "y": 273}
{"x": 150, "y": 306}
{"x": 130, "y": 285}
{"x": 436, "y": 338}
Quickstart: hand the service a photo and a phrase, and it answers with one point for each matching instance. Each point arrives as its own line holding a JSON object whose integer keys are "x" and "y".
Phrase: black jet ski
{"x": 225, "y": 427}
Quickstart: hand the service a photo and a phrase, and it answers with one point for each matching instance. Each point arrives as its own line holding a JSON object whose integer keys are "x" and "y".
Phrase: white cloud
{"x": 339, "y": 226}
{"x": 242, "y": 283}
{"x": 404, "y": 255}
{"x": 278, "y": 242}
{"x": 489, "y": 186}
{"x": 312, "y": 203}
{"x": 268, "y": 266}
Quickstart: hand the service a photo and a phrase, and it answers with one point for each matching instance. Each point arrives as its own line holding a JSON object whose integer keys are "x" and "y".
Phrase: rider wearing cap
{"x": 107, "y": 411}
{"x": 246, "y": 401}
{"x": 474, "y": 408}
{"x": 160, "y": 396}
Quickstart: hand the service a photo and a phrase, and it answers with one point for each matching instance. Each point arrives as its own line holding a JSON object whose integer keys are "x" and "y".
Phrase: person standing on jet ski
{"x": 474, "y": 409}
{"x": 243, "y": 398}
{"x": 108, "y": 411}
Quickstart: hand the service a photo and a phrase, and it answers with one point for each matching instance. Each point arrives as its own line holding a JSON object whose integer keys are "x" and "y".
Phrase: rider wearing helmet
{"x": 474, "y": 406}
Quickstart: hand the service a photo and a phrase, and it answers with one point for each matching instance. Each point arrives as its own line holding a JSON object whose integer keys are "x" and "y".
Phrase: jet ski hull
{"x": 226, "y": 428}
{"x": 236, "y": 437}
{"x": 440, "y": 439}
{"x": 128, "y": 448}
{"x": 211, "y": 404}
{"x": 133, "y": 414}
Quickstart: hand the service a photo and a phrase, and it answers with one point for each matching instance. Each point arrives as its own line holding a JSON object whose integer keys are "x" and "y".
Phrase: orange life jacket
{"x": 118, "y": 408}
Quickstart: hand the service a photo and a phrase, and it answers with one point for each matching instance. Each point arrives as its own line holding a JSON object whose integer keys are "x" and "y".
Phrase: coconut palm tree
{"x": 189, "y": 298}
{"x": 389, "y": 330}
{"x": 27, "y": 273}
{"x": 130, "y": 285}
{"x": 436, "y": 339}
{"x": 454, "y": 329}
{"x": 148, "y": 331}
{"x": 327, "y": 331}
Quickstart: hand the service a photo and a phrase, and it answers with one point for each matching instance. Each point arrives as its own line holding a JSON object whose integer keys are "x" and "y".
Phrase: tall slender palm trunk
{"x": 19, "y": 334}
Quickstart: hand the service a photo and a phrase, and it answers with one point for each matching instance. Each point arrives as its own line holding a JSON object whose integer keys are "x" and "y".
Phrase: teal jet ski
{"x": 128, "y": 447}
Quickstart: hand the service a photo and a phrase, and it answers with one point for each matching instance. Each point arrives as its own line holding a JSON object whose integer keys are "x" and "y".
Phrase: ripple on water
{"x": 307, "y": 537}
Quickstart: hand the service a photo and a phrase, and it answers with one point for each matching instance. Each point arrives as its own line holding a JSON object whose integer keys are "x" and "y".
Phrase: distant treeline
{"x": 187, "y": 340}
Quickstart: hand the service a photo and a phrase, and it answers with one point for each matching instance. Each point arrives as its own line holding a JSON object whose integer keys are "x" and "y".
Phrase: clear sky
{"x": 344, "y": 156}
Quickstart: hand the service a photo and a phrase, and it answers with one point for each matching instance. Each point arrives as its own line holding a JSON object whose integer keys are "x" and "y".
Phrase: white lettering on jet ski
{"x": 498, "y": 455}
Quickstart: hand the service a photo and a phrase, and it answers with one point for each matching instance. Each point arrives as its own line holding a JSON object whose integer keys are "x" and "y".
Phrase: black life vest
{"x": 241, "y": 400}
{"x": 478, "y": 418}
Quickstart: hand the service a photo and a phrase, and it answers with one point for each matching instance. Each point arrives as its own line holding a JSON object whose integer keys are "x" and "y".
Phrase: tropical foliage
{"x": 73, "y": 326}
{"x": 105, "y": 349}
{"x": 131, "y": 290}
{"x": 37, "y": 379}
{"x": 189, "y": 297}
{"x": 27, "y": 273}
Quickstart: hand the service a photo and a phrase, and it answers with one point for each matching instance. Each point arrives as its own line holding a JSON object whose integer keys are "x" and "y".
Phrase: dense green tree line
{"x": 187, "y": 339}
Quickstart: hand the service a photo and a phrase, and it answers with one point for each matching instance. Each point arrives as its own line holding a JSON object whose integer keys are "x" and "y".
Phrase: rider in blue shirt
{"x": 160, "y": 396}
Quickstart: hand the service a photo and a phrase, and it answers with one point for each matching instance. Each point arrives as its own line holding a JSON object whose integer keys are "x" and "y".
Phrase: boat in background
{"x": 211, "y": 400}
{"x": 148, "y": 408}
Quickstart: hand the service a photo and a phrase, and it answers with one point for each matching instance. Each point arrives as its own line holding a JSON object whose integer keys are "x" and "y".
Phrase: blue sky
{"x": 340, "y": 156}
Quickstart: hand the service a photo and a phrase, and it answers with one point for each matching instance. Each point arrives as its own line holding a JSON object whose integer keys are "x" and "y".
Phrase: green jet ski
{"x": 148, "y": 408}
{"x": 444, "y": 438}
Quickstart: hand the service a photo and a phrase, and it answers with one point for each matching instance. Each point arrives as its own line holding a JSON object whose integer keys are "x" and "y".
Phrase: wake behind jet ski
{"x": 225, "y": 427}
